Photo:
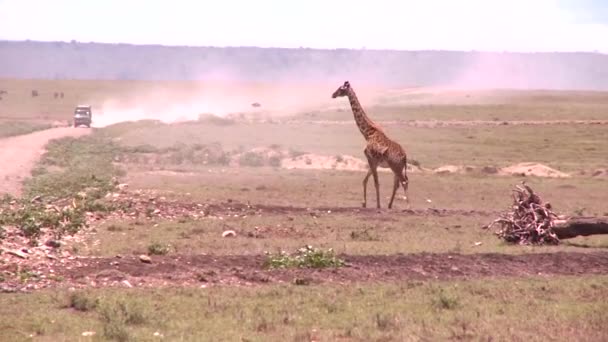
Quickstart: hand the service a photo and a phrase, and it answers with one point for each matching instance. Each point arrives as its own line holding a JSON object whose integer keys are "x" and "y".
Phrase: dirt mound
{"x": 339, "y": 162}
{"x": 521, "y": 169}
{"x": 315, "y": 161}
{"x": 532, "y": 169}
{"x": 445, "y": 169}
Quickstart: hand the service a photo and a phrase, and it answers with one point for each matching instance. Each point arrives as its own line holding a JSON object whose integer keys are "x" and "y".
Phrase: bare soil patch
{"x": 209, "y": 270}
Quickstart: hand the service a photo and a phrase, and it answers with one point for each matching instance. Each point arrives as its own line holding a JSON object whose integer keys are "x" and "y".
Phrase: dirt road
{"x": 19, "y": 154}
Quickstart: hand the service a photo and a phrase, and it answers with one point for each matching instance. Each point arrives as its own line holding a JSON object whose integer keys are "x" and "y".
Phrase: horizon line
{"x": 73, "y": 41}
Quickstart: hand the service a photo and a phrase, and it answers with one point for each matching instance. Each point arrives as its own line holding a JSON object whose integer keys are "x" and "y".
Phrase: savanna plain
{"x": 172, "y": 220}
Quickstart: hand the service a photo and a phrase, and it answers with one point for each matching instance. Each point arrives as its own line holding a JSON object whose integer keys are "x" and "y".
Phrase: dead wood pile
{"x": 530, "y": 221}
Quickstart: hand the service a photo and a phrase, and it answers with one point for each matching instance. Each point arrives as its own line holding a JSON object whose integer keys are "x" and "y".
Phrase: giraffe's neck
{"x": 366, "y": 126}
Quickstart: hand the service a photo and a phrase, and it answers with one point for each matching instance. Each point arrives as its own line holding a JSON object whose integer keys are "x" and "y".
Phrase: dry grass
{"x": 535, "y": 309}
{"x": 12, "y": 128}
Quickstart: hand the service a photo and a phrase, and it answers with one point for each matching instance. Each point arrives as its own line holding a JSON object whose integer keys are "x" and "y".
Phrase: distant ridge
{"x": 75, "y": 60}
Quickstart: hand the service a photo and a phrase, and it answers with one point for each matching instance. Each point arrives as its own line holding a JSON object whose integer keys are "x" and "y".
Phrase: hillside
{"x": 75, "y": 60}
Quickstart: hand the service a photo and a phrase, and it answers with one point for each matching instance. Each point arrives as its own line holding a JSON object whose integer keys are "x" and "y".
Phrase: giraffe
{"x": 380, "y": 151}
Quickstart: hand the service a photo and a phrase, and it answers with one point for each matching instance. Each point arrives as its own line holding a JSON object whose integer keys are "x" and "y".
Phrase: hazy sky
{"x": 509, "y": 25}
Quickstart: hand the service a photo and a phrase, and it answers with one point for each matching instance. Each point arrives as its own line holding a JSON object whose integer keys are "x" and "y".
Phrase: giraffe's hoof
{"x": 363, "y": 205}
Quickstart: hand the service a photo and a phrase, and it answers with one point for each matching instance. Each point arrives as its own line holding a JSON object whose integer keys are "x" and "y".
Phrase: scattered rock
{"x": 53, "y": 243}
{"x": 17, "y": 253}
{"x": 489, "y": 170}
{"x": 229, "y": 233}
{"x": 88, "y": 333}
{"x": 127, "y": 283}
{"x": 145, "y": 259}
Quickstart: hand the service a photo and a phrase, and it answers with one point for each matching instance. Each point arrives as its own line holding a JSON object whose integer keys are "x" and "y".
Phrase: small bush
{"x": 251, "y": 159}
{"x": 126, "y": 311}
{"x": 444, "y": 301}
{"x": 305, "y": 257}
{"x": 82, "y": 301}
{"x": 114, "y": 228}
{"x": 385, "y": 322}
{"x": 293, "y": 153}
{"x": 116, "y": 331}
{"x": 363, "y": 235}
{"x": 158, "y": 249}
{"x": 274, "y": 161}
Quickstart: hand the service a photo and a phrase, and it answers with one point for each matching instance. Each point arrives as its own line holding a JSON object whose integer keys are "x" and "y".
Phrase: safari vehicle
{"x": 82, "y": 116}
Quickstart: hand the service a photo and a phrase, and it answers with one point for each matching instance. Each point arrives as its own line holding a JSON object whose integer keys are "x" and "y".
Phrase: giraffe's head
{"x": 342, "y": 91}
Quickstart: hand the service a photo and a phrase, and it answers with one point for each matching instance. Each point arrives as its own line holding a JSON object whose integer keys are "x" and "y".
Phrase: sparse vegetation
{"x": 252, "y": 159}
{"x": 13, "y": 128}
{"x": 79, "y": 165}
{"x": 305, "y": 257}
{"x": 568, "y": 306}
{"x": 158, "y": 249}
{"x": 82, "y": 301}
{"x": 60, "y": 200}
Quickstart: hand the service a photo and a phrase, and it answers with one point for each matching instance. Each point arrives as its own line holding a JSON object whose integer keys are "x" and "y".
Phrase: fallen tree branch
{"x": 580, "y": 226}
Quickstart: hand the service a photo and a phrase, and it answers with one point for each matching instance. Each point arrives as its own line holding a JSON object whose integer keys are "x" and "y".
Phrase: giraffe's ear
{"x": 346, "y": 84}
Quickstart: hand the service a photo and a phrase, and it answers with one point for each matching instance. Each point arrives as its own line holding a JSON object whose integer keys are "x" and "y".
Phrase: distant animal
{"x": 380, "y": 150}
{"x": 256, "y": 105}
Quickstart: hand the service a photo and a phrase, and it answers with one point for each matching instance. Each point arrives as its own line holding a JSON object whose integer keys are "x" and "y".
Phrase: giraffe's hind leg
{"x": 395, "y": 187}
{"x": 400, "y": 173}
{"x": 405, "y": 183}
{"x": 369, "y": 173}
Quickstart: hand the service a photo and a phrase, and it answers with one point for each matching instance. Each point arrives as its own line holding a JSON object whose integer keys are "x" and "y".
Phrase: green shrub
{"x": 158, "y": 249}
{"x": 251, "y": 159}
{"x": 82, "y": 301}
{"x": 305, "y": 257}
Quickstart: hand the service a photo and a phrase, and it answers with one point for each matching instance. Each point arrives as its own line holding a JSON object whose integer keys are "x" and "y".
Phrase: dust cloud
{"x": 223, "y": 97}
{"x": 532, "y": 71}
{"x": 306, "y": 83}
